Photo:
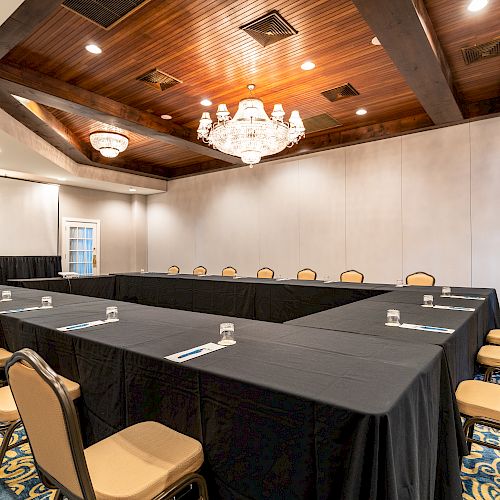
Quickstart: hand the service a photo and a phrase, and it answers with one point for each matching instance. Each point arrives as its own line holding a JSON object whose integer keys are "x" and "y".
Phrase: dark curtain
{"x": 29, "y": 267}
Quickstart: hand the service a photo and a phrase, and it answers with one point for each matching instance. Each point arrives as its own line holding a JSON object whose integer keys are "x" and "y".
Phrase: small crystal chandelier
{"x": 108, "y": 143}
{"x": 251, "y": 134}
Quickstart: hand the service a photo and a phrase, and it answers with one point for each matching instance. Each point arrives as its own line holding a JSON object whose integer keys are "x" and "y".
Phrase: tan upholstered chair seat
{"x": 493, "y": 337}
{"x": 265, "y": 273}
{"x": 351, "y": 277}
{"x": 489, "y": 355}
{"x": 141, "y": 461}
{"x": 479, "y": 399}
{"x": 420, "y": 279}
{"x": 8, "y": 408}
{"x": 4, "y": 357}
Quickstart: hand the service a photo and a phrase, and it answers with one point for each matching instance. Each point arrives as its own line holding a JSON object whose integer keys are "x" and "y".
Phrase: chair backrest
{"x": 306, "y": 274}
{"x": 199, "y": 271}
{"x": 265, "y": 272}
{"x": 420, "y": 279}
{"x": 51, "y": 424}
{"x": 229, "y": 271}
{"x": 352, "y": 276}
{"x": 174, "y": 270}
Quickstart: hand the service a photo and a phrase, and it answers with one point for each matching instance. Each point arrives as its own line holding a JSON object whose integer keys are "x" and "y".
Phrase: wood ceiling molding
{"x": 407, "y": 35}
{"x": 66, "y": 97}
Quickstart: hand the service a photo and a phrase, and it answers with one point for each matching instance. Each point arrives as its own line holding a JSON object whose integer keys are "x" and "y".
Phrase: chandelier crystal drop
{"x": 251, "y": 134}
{"x": 109, "y": 144}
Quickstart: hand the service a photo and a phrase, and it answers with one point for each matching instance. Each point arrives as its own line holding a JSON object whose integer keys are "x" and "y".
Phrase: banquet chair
{"x": 306, "y": 274}
{"x": 144, "y": 461}
{"x": 229, "y": 271}
{"x": 479, "y": 403}
{"x": 173, "y": 270}
{"x": 265, "y": 272}
{"x": 489, "y": 357}
{"x": 420, "y": 279}
{"x": 200, "y": 271}
{"x": 10, "y": 419}
{"x": 352, "y": 276}
{"x": 493, "y": 337}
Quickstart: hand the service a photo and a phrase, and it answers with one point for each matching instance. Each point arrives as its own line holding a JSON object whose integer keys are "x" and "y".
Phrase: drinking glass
{"x": 112, "y": 313}
{"x": 399, "y": 283}
{"x": 227, "y": 334}
{"x": 46, "y": 302}
{"x": 428, "y": 301}
{"x": 6, "y": 295}
{"x": 393, "y": 317}
{"x": 446, "y": 291}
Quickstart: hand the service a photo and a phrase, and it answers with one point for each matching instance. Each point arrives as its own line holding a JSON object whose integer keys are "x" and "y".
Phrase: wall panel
{"x": 485, "y": 203}
{"x": 436, "y": 204}
{"x": 373, "y": 210}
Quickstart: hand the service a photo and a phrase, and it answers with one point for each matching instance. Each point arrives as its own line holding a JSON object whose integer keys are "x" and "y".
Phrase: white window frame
{"x": 66, "y": 222}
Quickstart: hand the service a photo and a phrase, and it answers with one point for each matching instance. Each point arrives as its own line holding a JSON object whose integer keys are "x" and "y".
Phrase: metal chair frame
{"x": 468, "y": 427}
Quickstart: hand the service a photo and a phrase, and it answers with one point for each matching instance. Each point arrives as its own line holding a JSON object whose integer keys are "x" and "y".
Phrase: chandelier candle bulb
{"x": 251, "y": 134}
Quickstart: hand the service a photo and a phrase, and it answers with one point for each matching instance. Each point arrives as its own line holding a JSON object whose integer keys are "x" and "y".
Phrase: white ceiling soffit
{"x": 24, "y": 154}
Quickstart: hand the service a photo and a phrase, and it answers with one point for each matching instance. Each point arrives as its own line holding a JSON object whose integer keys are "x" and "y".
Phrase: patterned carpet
{"x": 480, "y": 472}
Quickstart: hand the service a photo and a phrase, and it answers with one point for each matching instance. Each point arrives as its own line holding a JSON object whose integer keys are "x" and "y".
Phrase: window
{"x": 81, "y": 246}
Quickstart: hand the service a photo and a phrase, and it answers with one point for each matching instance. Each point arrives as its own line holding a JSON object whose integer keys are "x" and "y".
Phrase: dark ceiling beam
{"x": 407, "y": 35}
{"x": 57, "y": 94}
{"x": 23, "y": 22}
{"x": 43, "y": 123}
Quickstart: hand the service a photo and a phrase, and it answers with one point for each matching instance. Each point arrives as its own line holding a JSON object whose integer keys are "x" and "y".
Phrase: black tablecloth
{"x": 102, "y": 287}
{"x": 368, "y": 318}
{"x": 253, "y": 298}
{"x": 288, "y": 412}
{"x": 28, "y": 267}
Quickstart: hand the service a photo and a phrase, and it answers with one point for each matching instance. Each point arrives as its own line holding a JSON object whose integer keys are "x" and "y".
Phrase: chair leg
{"x": 6, "y": 439}
{"x": 202, "y": 487}
{"x": 489, "y": 373}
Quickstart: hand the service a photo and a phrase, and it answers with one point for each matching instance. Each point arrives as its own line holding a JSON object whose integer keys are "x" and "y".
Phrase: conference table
{"x": 303, "y": 409}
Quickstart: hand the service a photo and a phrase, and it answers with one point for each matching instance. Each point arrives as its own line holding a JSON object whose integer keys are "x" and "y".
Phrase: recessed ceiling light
{"x": 93, "y": 49}
{"x": 361, "y": 111}
{"x": 308, "y": 65}
{"x": 476, "y": 5}
{"x": 132, "y": 190}
{"x": 206, "y": 102}
{"x": 375, "y": 41}
{"x": 165, "y": 117}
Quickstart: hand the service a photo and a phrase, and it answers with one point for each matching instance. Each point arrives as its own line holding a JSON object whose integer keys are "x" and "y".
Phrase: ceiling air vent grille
{"x": 159, "y": 79}
{"x": 482, "y": 51}
{"x": 340, "y": 92}
{"x": 104, "y": 13}
{"x": 320, "y": 122}
{"x": 270, "y": 28}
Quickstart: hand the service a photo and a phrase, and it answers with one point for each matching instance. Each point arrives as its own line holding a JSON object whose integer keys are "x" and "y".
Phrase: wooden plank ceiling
{"x": 199, "y": 42}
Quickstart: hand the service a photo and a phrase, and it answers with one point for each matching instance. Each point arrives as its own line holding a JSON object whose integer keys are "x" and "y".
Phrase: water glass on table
{"x": 111, "y": 313}
{"x": 227, "y": 334}
{"x": 446, "y": 291}
{"x": 393, "y": 317}
{"x": 428, "y": 301}
{"x": 46, "y": 302}
{"x": 6, "y": 295}
{"x": 399, "y": 283}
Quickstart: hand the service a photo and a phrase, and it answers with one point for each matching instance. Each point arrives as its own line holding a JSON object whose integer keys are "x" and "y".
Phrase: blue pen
{"x": 196, "y": 351}
{"x": 434, "y": 328}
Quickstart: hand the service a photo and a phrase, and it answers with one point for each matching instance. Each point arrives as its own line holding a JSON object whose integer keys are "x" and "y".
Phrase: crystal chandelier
{"x": 251, "y": 134}
{"x": 108, "y": 143}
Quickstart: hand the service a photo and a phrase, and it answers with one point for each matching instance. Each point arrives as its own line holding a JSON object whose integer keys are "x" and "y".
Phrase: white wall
{"x": 123, "y": 225}
{"x": 28, "y": 218}
{"x": 426, "y": 201}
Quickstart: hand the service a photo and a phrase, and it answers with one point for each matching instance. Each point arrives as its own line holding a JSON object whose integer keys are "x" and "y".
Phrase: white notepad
{"x": 24, "y": 309}
{"x": 466, "y": 297}
{"x": 426, "y": 328}
{"x": 194, "y": 352}
{"x": 454, "y": 308}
